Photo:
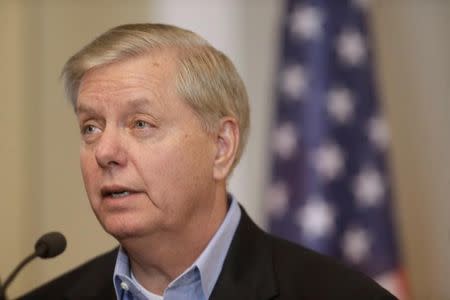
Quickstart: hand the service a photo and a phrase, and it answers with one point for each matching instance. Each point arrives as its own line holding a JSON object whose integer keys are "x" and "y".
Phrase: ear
{"x": 227, "y": 141}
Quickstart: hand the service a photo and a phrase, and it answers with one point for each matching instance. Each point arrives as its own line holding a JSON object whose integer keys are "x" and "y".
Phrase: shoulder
{"x": 301, "y": 271}
{"x": 95, "y": 274}
{"x": 285, "y": 270}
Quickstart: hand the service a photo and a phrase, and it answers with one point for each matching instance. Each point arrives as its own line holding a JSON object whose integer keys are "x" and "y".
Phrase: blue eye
{"x": 89, "y": 129}
{"x": 141, "y": 124}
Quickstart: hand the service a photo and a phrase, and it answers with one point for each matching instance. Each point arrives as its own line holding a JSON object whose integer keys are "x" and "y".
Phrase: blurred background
{"x": 40, "y": 177}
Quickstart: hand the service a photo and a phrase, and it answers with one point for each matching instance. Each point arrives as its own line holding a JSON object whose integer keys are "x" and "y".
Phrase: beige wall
{"x": 39, "y": 177}
{"x": 13, "y": 179}
{"x": 39, "y": 153}
{"x": 413, "y": 46}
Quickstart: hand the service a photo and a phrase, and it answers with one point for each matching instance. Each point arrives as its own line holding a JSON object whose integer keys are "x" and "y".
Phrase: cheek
{"x": 84, "y": 163}
{"x": 175, "y": 171}
{"x": 191, "y": 166}
{"x": 161, "y": 169}
{"x": 88, "y": 171}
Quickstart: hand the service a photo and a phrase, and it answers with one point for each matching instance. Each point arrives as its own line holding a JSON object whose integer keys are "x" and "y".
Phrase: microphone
{"x": 47, "y": 246}
{"x": 50, "y": 245}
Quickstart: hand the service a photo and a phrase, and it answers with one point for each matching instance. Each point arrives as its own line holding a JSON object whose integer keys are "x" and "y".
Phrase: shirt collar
{"x": 208, "y": 264}
{"x": 211, "y": 260}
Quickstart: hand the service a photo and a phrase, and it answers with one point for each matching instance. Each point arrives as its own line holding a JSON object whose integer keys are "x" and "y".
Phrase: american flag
{"x": 330, "y": 187}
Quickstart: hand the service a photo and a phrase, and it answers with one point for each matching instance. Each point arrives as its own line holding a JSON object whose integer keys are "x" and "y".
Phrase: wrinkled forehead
{"x": 153, "y": 73}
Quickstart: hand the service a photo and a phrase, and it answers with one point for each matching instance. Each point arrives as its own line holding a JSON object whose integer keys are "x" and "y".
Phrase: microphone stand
{"x": 14, "y": 274}
{"x": 47, "y": 246}
{"x": 2, "y": 294}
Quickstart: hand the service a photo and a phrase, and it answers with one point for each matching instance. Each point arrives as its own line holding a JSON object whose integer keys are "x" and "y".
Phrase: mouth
{"x": 116, "y": 192}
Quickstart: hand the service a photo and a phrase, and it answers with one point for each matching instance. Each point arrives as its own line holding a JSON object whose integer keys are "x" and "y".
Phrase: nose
{"x": 110, "y": 151}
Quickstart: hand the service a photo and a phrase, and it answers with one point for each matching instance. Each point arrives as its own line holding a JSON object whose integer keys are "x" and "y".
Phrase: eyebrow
{"x": 139, "y": 104}
{"x": 136, "y": 104}
{"x": 84, "y": 109}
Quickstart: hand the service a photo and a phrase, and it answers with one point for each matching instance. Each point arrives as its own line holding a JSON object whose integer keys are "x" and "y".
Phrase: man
{"x": 163, "y": 119}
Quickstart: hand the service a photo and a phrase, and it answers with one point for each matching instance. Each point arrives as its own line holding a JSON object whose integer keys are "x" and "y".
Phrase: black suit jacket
{"x": 258, "y": 266}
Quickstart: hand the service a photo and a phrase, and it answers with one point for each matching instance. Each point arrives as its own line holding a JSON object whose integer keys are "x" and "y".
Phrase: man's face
{"x": 146, "y": 161}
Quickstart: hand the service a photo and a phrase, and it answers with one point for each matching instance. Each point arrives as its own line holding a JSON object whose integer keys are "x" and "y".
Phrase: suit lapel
{"x": 247, "y": 272}
{"x": 97, "y": 282}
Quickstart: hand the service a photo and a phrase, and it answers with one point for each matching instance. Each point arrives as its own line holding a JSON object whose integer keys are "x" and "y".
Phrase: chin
{"x": 124, "y": 228}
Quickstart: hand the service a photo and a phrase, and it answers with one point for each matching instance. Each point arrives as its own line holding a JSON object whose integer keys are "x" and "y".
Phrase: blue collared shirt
{"x": 195, "y": 283}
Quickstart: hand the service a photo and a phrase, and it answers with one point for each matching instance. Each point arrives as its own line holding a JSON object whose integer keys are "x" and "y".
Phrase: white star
{"x": 368, "y": 187}
{"x": 307, "y": 22}
{"x": 329, "y": 160}
{"x": 277, "y": 202}
{"x": 351, "y": 47}
{"x": 362, "y": 4}
{"x": 285, "y": 140}
{"x": 391, "y": 281}
{"x": 315, "y": 218}
{"x": 294, "y": 81}
{"x": 340, "y": 105}
{"x": 356, "y": 245}
{"x": 379, "y": 133}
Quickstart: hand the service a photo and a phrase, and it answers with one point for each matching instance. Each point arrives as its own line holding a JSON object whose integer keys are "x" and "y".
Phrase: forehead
{"x": 152, "y": 73}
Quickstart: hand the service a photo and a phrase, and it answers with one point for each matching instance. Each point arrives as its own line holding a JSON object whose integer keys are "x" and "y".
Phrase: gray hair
{"x": 206, "y": 78}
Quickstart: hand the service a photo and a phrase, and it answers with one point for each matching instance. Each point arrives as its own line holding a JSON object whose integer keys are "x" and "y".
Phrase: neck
{"x": 158, "y": 259}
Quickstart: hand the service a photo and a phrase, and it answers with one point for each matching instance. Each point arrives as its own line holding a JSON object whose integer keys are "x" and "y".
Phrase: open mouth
{"x": 119, "y": 194}
{"x": 116, "y": 193}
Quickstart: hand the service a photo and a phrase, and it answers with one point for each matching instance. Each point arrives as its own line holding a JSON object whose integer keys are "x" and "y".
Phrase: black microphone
{"x": 50, "y": 245}
{"x": 47, "y": 246}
